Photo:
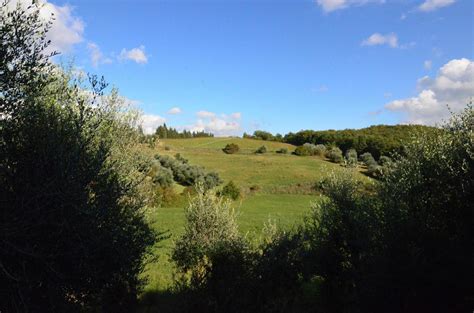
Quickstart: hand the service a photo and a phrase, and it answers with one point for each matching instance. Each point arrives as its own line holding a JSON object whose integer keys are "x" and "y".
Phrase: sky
{"x": 229, "y": 67}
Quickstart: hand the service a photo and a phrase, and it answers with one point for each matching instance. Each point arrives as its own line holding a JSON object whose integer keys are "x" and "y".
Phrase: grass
{"x": 275, "y": 186}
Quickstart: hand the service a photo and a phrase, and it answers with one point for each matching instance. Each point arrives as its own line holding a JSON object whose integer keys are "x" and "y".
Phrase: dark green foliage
{"x": 263, "y": 135}
{"x": 261, "y": 150}
{"x": 378, "y": 140}
{"x": 310, "y": 149}
{"x": 231, "y": 148}
{"x": 408, "y": 246}
{"x": 334, "y": 154}
{"x": 171, "y": 133}
{"x": 72, "y": 233}
{"x": 231, "y": 191}
{"x": 186, "y": 174}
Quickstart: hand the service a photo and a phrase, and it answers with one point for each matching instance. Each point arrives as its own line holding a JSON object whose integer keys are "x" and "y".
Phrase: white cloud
{"x": 453, "y": 86}
{"x": 236, "y": 115}
{"x": 66, "y": 30}
{"x": 379, "y": 39}
{"x": 431, "y": 5}
{"x": 427, "y": 65}
{"x": 137, "y": 55}
{"x": 333, "y": 5}
{"x": 174, "y": 111}
{"x": 150, "y": 123}
{"x": 220, "y": 125}
{"x": 205, "y": 114}
{"x": 96, "y": 55}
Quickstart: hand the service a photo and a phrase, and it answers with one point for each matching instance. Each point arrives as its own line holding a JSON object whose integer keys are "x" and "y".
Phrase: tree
{"x": 73, "y": 234}
{"x": 231, "y": 148}
{"x": 261, "y": 150}
{"x": 231, "y": 191}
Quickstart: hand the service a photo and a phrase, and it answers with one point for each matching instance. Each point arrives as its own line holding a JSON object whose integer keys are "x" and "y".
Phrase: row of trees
{"x": 165, "y": 132}
{"x": 404, "y": 245}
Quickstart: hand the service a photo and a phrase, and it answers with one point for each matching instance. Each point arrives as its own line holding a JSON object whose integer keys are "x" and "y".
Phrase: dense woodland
{"x": 377, "y": 140}
{"x": 75, "y": 186}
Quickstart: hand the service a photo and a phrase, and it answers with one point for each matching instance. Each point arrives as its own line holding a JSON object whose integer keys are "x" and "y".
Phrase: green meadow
{"x": 275, "y": 187}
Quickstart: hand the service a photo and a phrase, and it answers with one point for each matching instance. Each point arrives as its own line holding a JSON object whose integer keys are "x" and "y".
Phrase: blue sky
{"x": 235, "y": 66}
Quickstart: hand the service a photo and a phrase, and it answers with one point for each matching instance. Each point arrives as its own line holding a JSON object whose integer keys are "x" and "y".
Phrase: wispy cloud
{"x": 96, "y": 55}
{"x": 174, "y": 111}
{"x": 334, "y": 5}
{"x": 432, "y": 5}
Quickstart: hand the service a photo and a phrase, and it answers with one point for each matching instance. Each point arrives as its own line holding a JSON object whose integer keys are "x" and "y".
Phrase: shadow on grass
{"x": 163, "y": 301}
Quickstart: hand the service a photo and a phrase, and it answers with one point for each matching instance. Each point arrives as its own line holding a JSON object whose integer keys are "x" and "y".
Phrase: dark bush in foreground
{"x": 73, "y": 236}
{"x": 231, "y": 148}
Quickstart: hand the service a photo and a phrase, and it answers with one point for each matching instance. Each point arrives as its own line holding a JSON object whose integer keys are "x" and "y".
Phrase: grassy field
{"x": 275, "y": 186}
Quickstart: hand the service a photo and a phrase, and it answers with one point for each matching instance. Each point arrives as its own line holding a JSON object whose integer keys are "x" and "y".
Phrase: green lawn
{"x": 286, "y": 210}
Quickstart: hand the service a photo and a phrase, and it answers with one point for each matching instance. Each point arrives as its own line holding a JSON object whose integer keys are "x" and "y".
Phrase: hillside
{"x": 275, "y": 187}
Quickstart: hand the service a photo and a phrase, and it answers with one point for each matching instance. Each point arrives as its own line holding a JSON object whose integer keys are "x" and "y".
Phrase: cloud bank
{"x": 453, "y": 86}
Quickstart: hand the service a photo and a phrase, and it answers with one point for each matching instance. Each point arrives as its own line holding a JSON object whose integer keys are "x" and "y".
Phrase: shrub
{"x": 385, "y": 160}
{"x": 351, "y": 158}
{"x": 310, "y": 149}
{"x": 261, "y": 150}
{"x": 167, "y": 148}
{"x": 335, "y": 155}
{"x": 366, "y": 158}
{"x": 186, "y": 174}
{"x": 282, "y": 151}
{"x": 302, "y": 151}
{"x": 230, "y": 191}
{"x": 320, "y": 150}
{"x": 231, "y": 148}
{"x": 210, "y": 226}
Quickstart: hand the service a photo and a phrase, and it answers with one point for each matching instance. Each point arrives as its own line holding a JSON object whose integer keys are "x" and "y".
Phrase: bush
{"x": 320, "y": 150}
{"x": 310, "y": 149}
{"x": 73, "y": 233}
{"x": 231, "y": 148}
{"x": 261, "y": 150}
{"x": 366, "y": 157}
{"x": 282, "y": 151}
{"x": 302, "y": 151}
{"x": 335, "y": 155}
{"x": 385, "y": 160}
{"x": 351, "y": 158}
{"x": 186, "y": 174}
{"x": 210, "y": 226}
{"x": 230, "y": 191}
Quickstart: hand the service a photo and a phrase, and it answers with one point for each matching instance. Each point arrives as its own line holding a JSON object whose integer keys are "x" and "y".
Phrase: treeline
{"x": 377, "y": 140}
{"x": 172, "y": 133}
